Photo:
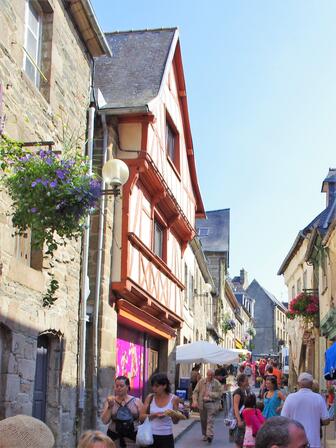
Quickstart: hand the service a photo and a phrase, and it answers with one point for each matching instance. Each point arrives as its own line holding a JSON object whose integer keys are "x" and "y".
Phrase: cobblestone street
{"x": 193, "y": 436}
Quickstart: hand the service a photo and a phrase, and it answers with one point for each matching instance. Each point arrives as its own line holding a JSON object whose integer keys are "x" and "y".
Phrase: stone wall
{"x": 53, "y": 112}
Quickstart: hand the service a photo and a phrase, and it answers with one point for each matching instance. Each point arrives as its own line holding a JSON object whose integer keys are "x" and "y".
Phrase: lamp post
{"x": 115, "y": 174}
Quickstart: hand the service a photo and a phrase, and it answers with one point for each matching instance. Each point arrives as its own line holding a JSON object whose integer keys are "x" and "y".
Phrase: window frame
{"x": 31, "y": 6}
{"x": 175, "y": 160}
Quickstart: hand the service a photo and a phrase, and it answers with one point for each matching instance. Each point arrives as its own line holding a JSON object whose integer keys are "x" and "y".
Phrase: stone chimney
{"x": 243, "y": 278}
{"x": 329, "y": 186}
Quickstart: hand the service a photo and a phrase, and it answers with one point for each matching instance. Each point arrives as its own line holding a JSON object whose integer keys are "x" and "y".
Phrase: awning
{"x": 238, "y": 344}
{"x": 330, "y": 363}
{"x": 206, "y": 352}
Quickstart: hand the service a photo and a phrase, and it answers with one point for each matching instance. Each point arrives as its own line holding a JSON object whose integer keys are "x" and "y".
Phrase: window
{"x": 33, "y": 33}
{"x": 298, "y": 286}
{"x": 203, "y": 231}
{"x": 38, "y": 44}
{"x": 191, "y": 292}
{"x": 158, "y": 239}
{"x": 186, "y": 285}
{"x": 304, "y": 279}
{"x": 172, "y": 143}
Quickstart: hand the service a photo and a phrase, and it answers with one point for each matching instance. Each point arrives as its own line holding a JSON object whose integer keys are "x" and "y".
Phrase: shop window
{"x": 37, "y": 44}
{"x": 172, "y": 143}
{"x": 158, "y": 239}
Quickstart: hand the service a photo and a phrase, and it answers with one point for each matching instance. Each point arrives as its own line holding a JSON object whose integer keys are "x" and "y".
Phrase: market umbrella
{"x": 206, "y": 352}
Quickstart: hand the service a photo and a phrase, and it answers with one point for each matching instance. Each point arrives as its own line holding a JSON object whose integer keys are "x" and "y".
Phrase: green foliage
{"x": 51, "y": 195}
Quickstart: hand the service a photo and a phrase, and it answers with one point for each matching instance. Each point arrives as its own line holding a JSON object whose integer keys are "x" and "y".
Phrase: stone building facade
{"x": 270, "y": 318}
{"x": 46, "y": 52}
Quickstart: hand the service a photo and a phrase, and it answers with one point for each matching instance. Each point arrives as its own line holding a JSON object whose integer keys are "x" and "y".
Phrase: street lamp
{"x": 115, "y": 173}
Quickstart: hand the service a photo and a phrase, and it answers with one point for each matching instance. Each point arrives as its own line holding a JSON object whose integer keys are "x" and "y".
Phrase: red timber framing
{"x": 149, "y": 291}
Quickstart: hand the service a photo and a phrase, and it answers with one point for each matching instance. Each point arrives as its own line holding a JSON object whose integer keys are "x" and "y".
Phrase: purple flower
{"x": 33, "y": 210}
{"x": 60, "y": 174}
{"x": 49, "y": 161}
{"x": 42, "y": 154}
{"x": 45, "y": 183}
{"x": 35, "y": 182}
{"x": 53, "y": 184}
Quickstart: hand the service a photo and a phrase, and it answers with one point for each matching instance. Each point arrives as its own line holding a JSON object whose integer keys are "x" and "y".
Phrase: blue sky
{"x": 261, "y": 84}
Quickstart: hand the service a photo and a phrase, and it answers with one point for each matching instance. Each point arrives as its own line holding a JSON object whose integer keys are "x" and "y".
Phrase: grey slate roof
{"x": 268, "y": 294}
{"x": 218, "y": 225}
{"x": 133, "y": 75}
{"x": 321, "y": 222}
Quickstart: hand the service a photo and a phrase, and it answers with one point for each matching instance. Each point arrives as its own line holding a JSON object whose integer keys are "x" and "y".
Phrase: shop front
{"x": 141, "y": 348}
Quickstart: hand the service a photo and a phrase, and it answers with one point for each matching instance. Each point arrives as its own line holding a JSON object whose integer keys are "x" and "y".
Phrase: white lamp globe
{"x": 115, "y": 172}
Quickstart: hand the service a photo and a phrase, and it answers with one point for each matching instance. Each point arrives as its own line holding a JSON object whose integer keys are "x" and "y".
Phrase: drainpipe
{"x": 83, "y": 318}
{"x": 95, "y": 397}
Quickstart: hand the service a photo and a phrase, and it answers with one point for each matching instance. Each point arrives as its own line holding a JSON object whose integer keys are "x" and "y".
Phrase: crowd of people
{"x": 260, "y": 403}
{"x": 261, "y": 414}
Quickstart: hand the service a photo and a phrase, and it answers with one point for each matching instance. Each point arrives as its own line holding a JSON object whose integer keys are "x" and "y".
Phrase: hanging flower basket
{"x": 304, "y": 305}
{"x": 51, "y": 195}
{"x": 251, "y": 331}
{"x": 228, "y": 324}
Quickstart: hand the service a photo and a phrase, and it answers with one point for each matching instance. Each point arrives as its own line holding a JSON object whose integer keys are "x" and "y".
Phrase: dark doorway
{"x": 41, "y": 378}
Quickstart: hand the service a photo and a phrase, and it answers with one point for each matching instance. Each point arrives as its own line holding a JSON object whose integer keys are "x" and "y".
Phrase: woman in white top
{"x": 155, "y": 407}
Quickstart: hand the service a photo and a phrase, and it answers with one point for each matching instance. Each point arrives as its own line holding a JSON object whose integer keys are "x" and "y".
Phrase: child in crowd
{"x": 253, "y": 419}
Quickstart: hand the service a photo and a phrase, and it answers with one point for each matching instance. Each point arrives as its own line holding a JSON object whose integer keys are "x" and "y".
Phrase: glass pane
{"x": 30, "y": 70}
{"x": 33, "y": 19}
{"x": 32, "y": 45}
{"x": 170, "y": 142}
{"x": 158, "y": 239}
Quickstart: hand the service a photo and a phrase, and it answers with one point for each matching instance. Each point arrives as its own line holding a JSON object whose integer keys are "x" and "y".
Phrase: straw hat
{"x": 22, "y": 431}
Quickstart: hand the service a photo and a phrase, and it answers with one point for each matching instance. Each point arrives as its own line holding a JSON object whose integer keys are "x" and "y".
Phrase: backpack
{"x": 124, "y": 420}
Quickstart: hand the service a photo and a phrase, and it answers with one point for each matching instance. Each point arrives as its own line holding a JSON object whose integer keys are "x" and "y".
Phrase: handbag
{"x": 144, "y": 435}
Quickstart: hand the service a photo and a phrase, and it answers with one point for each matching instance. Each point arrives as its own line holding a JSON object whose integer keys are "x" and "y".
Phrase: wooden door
{"x": 153, "y": 362}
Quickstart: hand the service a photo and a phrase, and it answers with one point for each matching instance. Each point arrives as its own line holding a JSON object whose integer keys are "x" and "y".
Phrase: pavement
{"x": 190, "y": 435}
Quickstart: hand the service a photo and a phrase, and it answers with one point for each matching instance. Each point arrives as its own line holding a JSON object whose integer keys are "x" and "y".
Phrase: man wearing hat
{"x": 308, "y": 408}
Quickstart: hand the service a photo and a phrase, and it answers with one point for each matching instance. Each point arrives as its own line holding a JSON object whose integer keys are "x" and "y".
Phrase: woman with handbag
{"x": 121, "y": 412}
{"x": 238, "y": 405}
{"x": 157, "y": 407}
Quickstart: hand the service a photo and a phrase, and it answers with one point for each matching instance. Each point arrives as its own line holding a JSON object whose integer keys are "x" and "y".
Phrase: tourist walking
{"x": 157, "y": 407}
{"x": 308, "y": 408}
{"x": 121, "y": 412}
{"x": 273, "y": 398}
{"x": 206, "y": 397}
{"x": 238, "y": 399}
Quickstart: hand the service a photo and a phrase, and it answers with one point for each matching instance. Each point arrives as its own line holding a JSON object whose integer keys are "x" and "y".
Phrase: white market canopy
{"x": 206, "y": 352}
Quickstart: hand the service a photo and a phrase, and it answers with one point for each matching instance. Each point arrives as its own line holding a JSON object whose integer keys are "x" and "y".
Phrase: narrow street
{"x": 193, "y": 437}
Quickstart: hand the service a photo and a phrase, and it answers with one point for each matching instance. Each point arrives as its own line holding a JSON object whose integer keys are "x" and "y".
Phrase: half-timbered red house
{"x": 146, "y": 105}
